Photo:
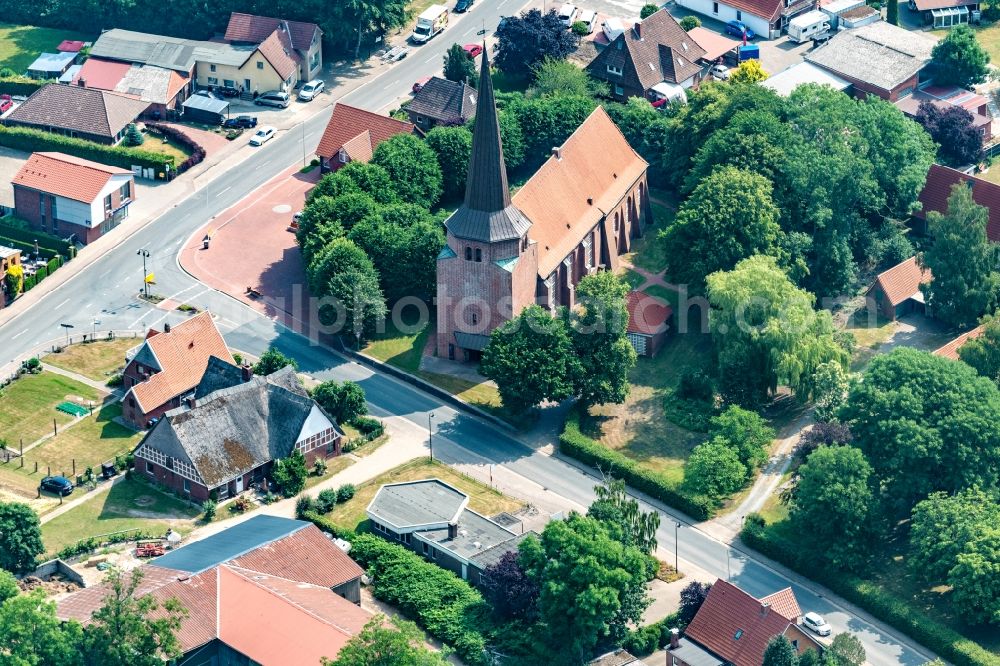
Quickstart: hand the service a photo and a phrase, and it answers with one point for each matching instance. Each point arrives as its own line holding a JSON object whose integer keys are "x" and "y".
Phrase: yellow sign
{"x": 151, "y": 278}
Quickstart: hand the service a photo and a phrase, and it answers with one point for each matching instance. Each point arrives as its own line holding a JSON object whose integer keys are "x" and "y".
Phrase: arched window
{"x": 468, "y": 254}
{"x": 479, "y": 254}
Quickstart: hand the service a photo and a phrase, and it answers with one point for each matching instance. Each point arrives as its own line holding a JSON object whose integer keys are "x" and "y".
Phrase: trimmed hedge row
{"x": 20, "y": 85}
{"x": 45, "y": 241}
{"x": 947, "y": 643}
{"x": 33, "y": 140}
{"x": 197, "y": 151}
{"x": 573, "y": 443}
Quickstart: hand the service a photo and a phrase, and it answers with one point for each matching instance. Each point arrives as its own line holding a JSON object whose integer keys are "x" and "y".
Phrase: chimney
{"x": 590, "y": 201}
{"x": 637, "y": 27}
{"x": 557, "y": 152}
{"x": 166, "y": 328}
{"x": 675, "y": 638}
{"x": 247, "y": 371}
{"x": 452, "y": 530}
{"x": 82, "y": 83}
{"x": 764, "y": 607}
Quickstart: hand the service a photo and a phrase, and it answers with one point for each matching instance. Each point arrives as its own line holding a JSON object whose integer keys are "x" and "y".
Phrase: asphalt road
{"x": 107, "y": 291}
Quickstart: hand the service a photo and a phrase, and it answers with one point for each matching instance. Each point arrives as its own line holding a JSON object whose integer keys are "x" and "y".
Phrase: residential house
{"x": 51, "y": 65}
{"x": 581, "y": 210}
{"x": 353, "y": 134}
{"x": 432, "y": 518}
{"x": 167, "y": 367}
{"x": 945, "y": 13}
{"x": 648, "y": 322}
{"x": 304, "y": 39}
{"x": 766, "y": 18}
{"x": 945, "y": 97}
{"x": 897, "y": 291}
{"x": 655, "y": 59}
{"x": 790, "y": 78}
{"x": 950, "y": 350}
{"x": 442, "y": 102}
{"x": 220, "y": 442}
{"x": 68, "y": 196}
{"x": 617, "y": 657}
{"x": 270, "y": 591}
{"x": 95, "y": 115}
{"x": 902, "y": 56}
{"x": 164, "y": 89}
{"x": 733, "y": 628}
{"x": 9, "y": 257}
{"x": 937, "y": 189}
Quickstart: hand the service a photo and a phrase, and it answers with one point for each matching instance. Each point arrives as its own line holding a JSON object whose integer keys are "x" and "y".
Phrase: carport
{"x": 209, "y": 110}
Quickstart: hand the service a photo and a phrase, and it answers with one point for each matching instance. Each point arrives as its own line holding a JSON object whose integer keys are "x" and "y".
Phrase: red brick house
{"x": 222, "y": 441}
{"x": 303, "y": 40}
{"x": 353, "y": 134}
{"x": 270, "y": 591}
{"x": 77, "y": 111}
{"x": 950, "y": 350}
{"x": 897, "y": 290}
{"x": 579, "y": 212}
{"x": 168, "y": 366}
{"x": 937, "y": 189}
{"x": 733, "y": 627}
{"x": 69, "y": 196}
{"x": 648, "y": 323}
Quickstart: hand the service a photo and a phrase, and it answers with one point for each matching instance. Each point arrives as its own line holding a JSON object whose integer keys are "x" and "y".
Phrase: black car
{"x": 229, "y": 91}
{"x": 240, "y": 122}
{"x": 59, "y": 485}
{"x": 463, "y": 5}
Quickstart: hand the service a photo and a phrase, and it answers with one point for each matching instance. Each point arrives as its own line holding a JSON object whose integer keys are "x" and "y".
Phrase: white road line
{"x": 189, "y": 288}
{"x": 389, "y": 85}
{"x": 225, "y": 190}
{"x": 62, "y": 304}
{"x": 19, "y": 334}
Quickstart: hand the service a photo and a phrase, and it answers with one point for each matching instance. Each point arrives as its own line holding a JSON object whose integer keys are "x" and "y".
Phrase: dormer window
{"x": 617, "y": 71}
{"x": 738, "y": 635}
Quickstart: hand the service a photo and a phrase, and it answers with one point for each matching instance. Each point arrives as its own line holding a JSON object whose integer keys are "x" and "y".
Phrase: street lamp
{"x": 67, "y": 327}
{"x": 144, "y": 253}
{"x": 430, "y": 433}
{"x": 677, "y": 565}
{"x": 93, "y": 335}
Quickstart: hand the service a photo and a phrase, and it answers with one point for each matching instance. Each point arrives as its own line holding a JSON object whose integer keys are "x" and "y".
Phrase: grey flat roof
{"x": 70, "y": 74}
{"x": 490, "y": 556}
{"x": 899, "y": 54}
{"x": 695, "y": 655}
{"x": 790, "y": 78}
{"x": 475, "y": 535}
{"x": 168, "y": 52}
{"x": 229, "y": 544}
{"x": 414, "y": 503}
{"x": 206, "y": 104}
{"x": 52, "y": 62}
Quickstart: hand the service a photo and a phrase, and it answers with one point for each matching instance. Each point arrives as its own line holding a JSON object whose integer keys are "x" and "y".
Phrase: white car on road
{"x": 815, "y": 622}
{"x": 262, "y": 135}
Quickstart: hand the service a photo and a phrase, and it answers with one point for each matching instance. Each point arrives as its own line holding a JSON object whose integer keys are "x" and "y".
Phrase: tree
{"x": 748, "y": 71}
{"x": 133, "y": 137}
{"x": 364, "y": 177}
{"x": 209, "y": 507}
{"x": 32, "y": 635}
{"x": 344, "y": 401}
{"x": 343, "y": 273}
{"x": 622, "y": 517}
{"x": 954, "y": 130}
{"x": 714, "y": 469}
{"x": 531, "y": 359}
{"x": 20, "y": 537}
{"x": 962, "y": 260}
{"x": 959, "y": 59}
{"x": 690, "y": 22}
{"x": 779, "y": 652}
{"x": 512, "y": 139}
{"x": 412, "y": 167}
{"x": 511, "y": 593}
{"x": 548, "y": 121}
{"x": 942, "y": 528}
{"x": 591, "y": 586}
{"x": 271, "y": 361}
{"x": 824, "y": 433}
{"x": 8, "y": 586}
{"x": 458, "y": 66}
{"x": 384, "y": 642}
{"x": 983, "y": 352}
{"x": 648, "y": 10}
{"x": 692, "y": 597}
{"x": 327, "y": 218}
{"x": 847, "y": 650}
{"x": 926, "y": 424}
{"x": 562, "y": 77}
{"x": 745, "y": 431}
{"x": 290, "y": 473}
{"x": 766, "y": 332}
{"x": 132, "y": 629}
{"x": 833, "y": 503}
{"x": 526, "y": 40}
{"x": 831, "y": 384}
{"x": 975, "y": 579}
{"x": 892, "y": 12}
{"x": 453, "y": 148}
{"x": 14, "y": 280}
{"x": 598, "y": 331}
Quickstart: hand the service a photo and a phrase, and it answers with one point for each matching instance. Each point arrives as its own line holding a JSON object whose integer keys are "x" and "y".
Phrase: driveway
{"x": 11, "y": 162}
{"x": 918, "y": 332}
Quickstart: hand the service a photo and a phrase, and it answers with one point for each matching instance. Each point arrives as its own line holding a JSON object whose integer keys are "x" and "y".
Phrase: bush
{"x": 197, "y": 152}
{"x": 12, "y": 84}
{"x": 85, "y": 546}
{"x": 319, "y": 467}
{"x": 345, "y": 492}
{"x": 115, "y": 380}
{"x": 648, "y": 10}
{"x": 693, "y": 415}
{"x": 133, "y": 137}
{"x": 325, "y": 501}
{"x": 580, "y": 28}
{"x": 290, "y": 474}
{"x": 209, "y": 507}
{"x": 643, "y": 641}
{"x": 303, "y": 505}
{"x": 370, "y": 427}
{"x": 51, "y": 245}
{"x": 327, "y": 526}
{"x": 575, "y": 444}
{"x": 695, "y": 385}
{"x": 689, "y": 23}
{"x": 241, "y": 504}
{"x": 32, "y": 140}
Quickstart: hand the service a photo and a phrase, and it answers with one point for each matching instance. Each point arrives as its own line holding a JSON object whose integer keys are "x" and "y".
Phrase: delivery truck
{"x": 433, "y": 20}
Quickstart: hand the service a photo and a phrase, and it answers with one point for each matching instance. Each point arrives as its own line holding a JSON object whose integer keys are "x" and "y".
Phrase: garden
{"x": 100, "y": 361}
{"x": 21, "y": 44}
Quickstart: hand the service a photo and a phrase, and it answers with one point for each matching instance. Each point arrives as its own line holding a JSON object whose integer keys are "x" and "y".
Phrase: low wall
{"x": 57, "y": 566}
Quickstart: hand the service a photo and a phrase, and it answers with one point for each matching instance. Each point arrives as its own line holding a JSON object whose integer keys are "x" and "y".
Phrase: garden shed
{"x": 201, "y": 109}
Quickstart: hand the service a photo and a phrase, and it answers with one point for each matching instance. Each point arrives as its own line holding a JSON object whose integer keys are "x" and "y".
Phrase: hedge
{"x": 33, "y": 140}
{"x": 20, "y": 85}
{"x": 197, "y": 152}
{"x": 575, "y": 444}
{"x": 946, "y": 642}
{"x": 45, "y": 241}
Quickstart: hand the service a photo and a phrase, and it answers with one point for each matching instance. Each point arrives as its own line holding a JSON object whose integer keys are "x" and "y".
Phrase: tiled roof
{"x": 303, "y": 556}
{"x": 66, "y": 176}
{"x": 359, "y": 149}
{"x": 784, "y": 602}
{"x": 277, "y": 50}
{"x": 349, "y": 122}
{"x": 766, "y": 9}
{"x": 937, "y": 189}
{"x": 446, "y": 101}
{"x": 902, "y": 281}
{"x": 255, "y": 29}
{"x": 70, "y": 45}
{"x": 646, "y": 315}
{"x": 900, "y": 54}
{"x": 149, "y": 83}
{"x": 596, "y": 163}
{"x": 950, "y": 350}
{"x": 83, "y": 110}
{"x": 714, "y": 44}
{"x": 736, "y": 626}
{"x": 182, "y": 356}
{"x": 101, "y": 74}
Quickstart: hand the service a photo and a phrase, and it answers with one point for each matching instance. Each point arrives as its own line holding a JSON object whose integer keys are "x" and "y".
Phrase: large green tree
{"x": 975, "y": 579}
{"x": 20, "y": 537}
{"x": 271, "y": 361}
{"x": 779, "y": 652}
{"x": 412, "y": 168}
{"x": 325, "y": 218}
{"x": 714, "y": 469}
{"x": 344, "y": 275}
{"x": 458, "y": 66}
{"x": 962, "y": 261}
{"x": 846, "y": 650}
{"x": 387, "y": 643}
{"x": 365, "y": 177}
{"x": 983, "y": 352}
{"x": 32, "y": 635}
{"x": 547, "y": 122}
{"x": 959, "y": 59}
{"x": 747, "y": 432}
{"x": 344, "y": 401}
{"x": 562, "y": 77}
{"x": 943, "y": 526}
{"x": 525, "y": 41}
{"x": 622, "y": 517}
{"x": 453, "y": 148}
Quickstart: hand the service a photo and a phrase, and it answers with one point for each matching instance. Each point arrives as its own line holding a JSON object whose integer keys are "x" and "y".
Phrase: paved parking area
{"x": 11, "y": 162}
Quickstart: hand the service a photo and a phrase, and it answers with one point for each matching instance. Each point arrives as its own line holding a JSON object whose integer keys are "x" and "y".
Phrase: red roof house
{"x": 648, "y": 322}
{"x": 70, "y": 46}
{"x": 294, "y": 42}
{"x": 897, "y": 290}
{"x": 950, "y": 350}
{"x": 353, "y": 134}
{"x": 937, "y": 189}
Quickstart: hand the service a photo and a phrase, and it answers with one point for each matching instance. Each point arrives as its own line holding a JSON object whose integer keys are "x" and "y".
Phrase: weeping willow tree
{"x": 622, "y": 517}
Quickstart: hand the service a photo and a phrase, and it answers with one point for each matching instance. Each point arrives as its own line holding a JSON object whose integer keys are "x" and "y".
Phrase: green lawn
{"x": 97, "y": 360}
{"x": 27, "y": 407}
{"x": 333, "y": 466}
{"x": 129, "y": 504}
{"x": 633, "y": 279}
{"x": 21, "y": 44}
{"x": 159, "y": 144}
{"x": 988, "y": 35}
{"x": 649, "y": 252}
{"x": 398, "y": 348}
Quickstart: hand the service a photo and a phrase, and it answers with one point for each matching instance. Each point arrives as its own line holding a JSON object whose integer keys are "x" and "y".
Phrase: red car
{"x": 420, "y": 83}
{"x": 473, "y": 50}
{"x": 5, "y": 103}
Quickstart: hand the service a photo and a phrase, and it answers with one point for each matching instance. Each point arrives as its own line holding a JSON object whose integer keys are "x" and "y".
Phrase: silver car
{"x": 816, "y": 623}
{"x": 273, "y": 98}
{"x": 309, "y": 91}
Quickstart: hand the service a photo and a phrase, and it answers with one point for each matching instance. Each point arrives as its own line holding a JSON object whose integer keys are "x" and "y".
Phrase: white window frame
{"x": 588, "y": 251}
{"x": 617, "y": 71}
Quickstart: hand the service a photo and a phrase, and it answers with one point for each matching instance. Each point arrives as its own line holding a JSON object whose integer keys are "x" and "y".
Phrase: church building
{"x": 583, "y": 209}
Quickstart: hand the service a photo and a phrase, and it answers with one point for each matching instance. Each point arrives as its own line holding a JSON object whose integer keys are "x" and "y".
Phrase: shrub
{"x": 370, "y": 427}
{"x": 241, "y": 504}
{"x": 648, "y": 10}
{"x": 114, "y": 380}
{"x": 32, "y": 140}
{"x": 290, "y": 474}
{"x": 209, "y": 507}
{"x": 689, "y": 23}
{"x": 325, "y": 501}
{"x": 643, "y": 641}
{"x": 319, "y": 467}
{"x": 303, "y": 505}
{"x": 580, "y": 28}
{"x": 12, "y": 84}
{"x": 197, "y": 152}
{"x": 32, "y": 364}
{"x": 345, "y": 492}
{"x": 693, "y": 415}
{"x": 695, "y": 385}
{"x": 133, "y": 137}
{"x": 51, "y": 245}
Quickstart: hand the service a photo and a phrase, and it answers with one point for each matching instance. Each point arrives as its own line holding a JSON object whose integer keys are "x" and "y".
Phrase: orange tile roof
{"x": 784, "y": 602}
{"x": 901, "y": 281}
{"x": 647, "y": 315}
{"x": 595, "y": 163}
{"x": 304, "y": 558}
{"x": 101, "y": 74}
{"x": 66, "y": 176}
{"x": 251, "y": 28}
{"x": 348, "y": 122}
{"x": 183, "y": 354}
{"x": 950, "y": 350}
{"x": 937, "y": 189}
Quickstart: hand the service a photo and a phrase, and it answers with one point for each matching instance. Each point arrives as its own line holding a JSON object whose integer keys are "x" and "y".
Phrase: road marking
{"x": 389, "y": 85}
{"x": 62, "y": 304}
{"x": 225, "y": 190}
{"x": 19, "y": 334}
{"x": 189, "y": 288}
{"x": 430, "y": 60}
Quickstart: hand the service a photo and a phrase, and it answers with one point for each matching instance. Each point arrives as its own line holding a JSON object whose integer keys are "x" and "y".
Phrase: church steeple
{"x": 487, "y": 213}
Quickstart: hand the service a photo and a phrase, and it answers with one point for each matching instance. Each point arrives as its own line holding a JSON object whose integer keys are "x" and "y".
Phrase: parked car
{"x": 612, "y": 27}
{"x": 589, "y": 18}
{"x": 5, "y": 103}
{"x": 240, "y": 122}
{"x": 720, "y": 72}
{"x": 309, "y": 91}
{"x": 737, "y": 28}
{"x": 815, "y": 622}
{"x": 57, "y": 484}
{"x": 262, "y": 135}
{"x": 273, "y": 98}
{"x": 228, "y": 91}
{"x": 208, "y": 93}
{"x": 420, "y": 83}
{"x": 472, "y": 50}
{"x": 463, "y": 5}
{"x": 567, "y": 14}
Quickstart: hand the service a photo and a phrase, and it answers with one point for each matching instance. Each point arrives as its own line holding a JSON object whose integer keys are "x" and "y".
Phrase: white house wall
{"x": 728, "y": 13}
{"x": 315, "y": 423}
{"x": 76, "y": 212}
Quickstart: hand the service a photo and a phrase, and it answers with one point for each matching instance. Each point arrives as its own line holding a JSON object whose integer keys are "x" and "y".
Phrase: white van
{"x": 588, "y": 18}
{"x": 613, "y": 27}
{"x": 433, "y": 20}
{"x": 804, "y": 27}
{"x": 567, "y": 14}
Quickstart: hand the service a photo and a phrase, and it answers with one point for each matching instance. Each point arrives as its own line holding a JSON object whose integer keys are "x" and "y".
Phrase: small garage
{"x": 896, "y": 292}
{"x": 208, "y": 110}
{"x": 648, "y": 322}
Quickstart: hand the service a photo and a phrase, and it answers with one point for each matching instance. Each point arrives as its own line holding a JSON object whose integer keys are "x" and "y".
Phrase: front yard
{"x": 21, "y": 44}
{"x": 95, "y": 360}
{"x": 28, "y": 406}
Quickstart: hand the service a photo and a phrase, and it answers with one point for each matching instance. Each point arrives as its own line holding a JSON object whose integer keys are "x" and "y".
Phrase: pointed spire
{"x": 486, "y": 186}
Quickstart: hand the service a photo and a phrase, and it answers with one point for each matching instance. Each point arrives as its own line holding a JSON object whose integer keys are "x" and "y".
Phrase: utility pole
{"x": 430, "y": 433}
{"x": 144, "y": 253}
{"x": 677, "y": 566}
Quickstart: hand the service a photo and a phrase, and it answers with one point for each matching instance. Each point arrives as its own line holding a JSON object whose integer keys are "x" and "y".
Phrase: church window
{"x": 475, "y": 318}
{"x": 468, "y": 254}
{"x": 479, "y": 254}
{"x": 588, "y": 251}
{"x": 550, "y": 287}
{"x": 568, "y": 263}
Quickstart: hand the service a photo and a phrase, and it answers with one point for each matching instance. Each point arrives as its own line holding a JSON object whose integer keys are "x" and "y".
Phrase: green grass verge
{"x": 398, "y": 348}
{"x": 94, "y": 360}
{"x": 27, "y": 406}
